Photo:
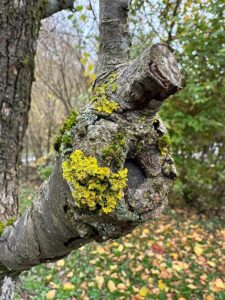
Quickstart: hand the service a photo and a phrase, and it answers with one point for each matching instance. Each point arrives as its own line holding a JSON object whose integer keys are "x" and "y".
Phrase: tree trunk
{"x": 18, "y": 34}
{"x": 90, "y": 195}
{"x": 19, "y": 28}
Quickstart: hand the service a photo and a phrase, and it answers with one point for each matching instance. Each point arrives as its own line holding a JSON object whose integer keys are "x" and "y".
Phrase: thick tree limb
{"x": 55, "y": 225}
{"x": 54, "y": 6}
{"x": 119, "y": 129}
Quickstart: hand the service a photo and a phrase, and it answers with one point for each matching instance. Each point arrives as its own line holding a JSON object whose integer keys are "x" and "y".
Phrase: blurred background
{"x": 189, "y": 239}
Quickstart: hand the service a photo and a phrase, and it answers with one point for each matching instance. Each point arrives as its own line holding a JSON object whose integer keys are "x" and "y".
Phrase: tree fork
{"x": 122, "y": 112}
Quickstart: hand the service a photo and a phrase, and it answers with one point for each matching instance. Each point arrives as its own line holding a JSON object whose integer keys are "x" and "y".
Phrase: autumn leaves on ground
{"x": 180, "y": 256}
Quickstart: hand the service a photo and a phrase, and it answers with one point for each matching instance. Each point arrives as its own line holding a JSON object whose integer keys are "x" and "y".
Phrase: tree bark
{"x": 54, "y": 225}
{"x": 19, "y": 27}
{"x": 18, "y": 34}
{"x": 119, "y": 129}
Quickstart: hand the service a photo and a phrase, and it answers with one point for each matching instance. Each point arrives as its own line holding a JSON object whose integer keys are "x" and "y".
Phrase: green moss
{"x": 67, "y": 140}
{"x": 95, "y": 187}
{"x": 164, "y": 144}
{"x": 113, "y": 154}
{"x": 99, "y": 96}
{"x": 2, "y": 227}
{"x": 27, "y": 60}
{"x": 64, "y": 136}
{"x": 5, "y": 224}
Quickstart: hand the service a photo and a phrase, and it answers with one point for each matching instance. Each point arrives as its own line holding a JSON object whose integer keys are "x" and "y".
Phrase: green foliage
{"x": 195, "y": 116}
{"x": 44, "y": 171}
{"x": 94, "y": 187}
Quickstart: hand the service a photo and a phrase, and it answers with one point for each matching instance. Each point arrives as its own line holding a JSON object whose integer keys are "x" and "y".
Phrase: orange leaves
{"x": 158, "y": 249}
{"x": 179, "y": 261}
{"x": 217, "y": 285}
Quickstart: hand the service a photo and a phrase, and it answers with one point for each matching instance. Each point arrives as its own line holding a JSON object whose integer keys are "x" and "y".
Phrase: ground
{"x": 180, "y": 256}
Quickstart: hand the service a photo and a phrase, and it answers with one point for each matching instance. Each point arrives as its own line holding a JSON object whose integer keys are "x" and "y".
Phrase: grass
{"x": 180, "y": 256}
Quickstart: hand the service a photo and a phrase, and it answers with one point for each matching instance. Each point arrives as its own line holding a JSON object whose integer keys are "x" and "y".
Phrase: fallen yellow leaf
{"x": 53, "y": 285}
{"x": 69, "y": 275}
{"x": 175, "y": 256}
{"x": 120, "y": 248}
{"x": 51, "y": 294}
{"x": 144, "y": 291}
{"x": 100, "y": 281}
{"x": 211, "y": 264}
{"x": 162, "y": 286}
{"x": 68, "y": 286}
{"x": 100, "y": 249}
{"x": 60, "y": 263}
{"x": 198, "y": 249}
{"x": 217, "y": 285}
{"x": 111, "y": 286}
{"x": 192, "y": 286}
{"x": 121, "y": 286}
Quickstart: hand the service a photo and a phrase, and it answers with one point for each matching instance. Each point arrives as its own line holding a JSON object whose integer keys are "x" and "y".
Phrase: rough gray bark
{"x": 19, "y": 27}
{"x": 114, "y": 36}
{"x": 18, "y": 36}
{"x": 120, "y": 129}
{"x": 54, "y": 225}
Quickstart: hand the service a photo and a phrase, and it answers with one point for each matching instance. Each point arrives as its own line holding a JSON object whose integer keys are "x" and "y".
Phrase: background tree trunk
{"x": 19, "y": 28}
{"x": 18, "y": 34}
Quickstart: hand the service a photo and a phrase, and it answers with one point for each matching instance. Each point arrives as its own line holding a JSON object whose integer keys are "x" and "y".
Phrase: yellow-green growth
{"x": 5, "y": 224}
{"x": 164, "y": 144}
{"x": 93, "y": 186}
{"x": 67, "y": 125}
{"x": 113, "y": 153}
{"x": 106, "y": 106}
{"x": 102, "y": 103}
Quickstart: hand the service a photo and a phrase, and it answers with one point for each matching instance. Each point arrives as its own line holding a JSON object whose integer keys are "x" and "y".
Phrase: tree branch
{"x": 128, "y": 137}
{"x": 54, "y": 6}
{"x": 114, "y": 36}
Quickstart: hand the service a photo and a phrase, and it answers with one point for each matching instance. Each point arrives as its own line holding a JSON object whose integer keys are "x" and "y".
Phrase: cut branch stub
{"x": 148, "y": 80}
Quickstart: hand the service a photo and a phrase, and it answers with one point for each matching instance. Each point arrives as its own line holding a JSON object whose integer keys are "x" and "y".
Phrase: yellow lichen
{"x": 99, "y": 96}
{"x": 106, "y": 106}
{"x": 164, "y": 144}
{"x": 93, "y": 186}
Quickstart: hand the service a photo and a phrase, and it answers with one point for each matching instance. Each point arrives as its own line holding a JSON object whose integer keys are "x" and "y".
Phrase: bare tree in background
{"x": 96, "y": 191}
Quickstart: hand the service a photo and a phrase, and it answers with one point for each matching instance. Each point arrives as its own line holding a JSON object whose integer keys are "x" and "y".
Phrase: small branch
{"x": 54, "y": 6}
{"x": 175, "y": 11}
{"x": 114, "y": 36}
